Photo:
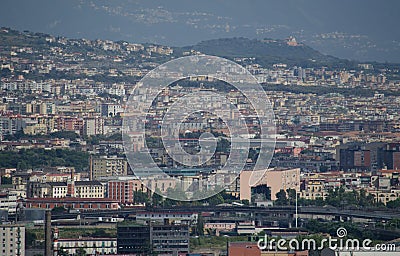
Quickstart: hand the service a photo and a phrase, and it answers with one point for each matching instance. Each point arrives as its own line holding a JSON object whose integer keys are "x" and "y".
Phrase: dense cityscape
{"x": 67, "y": 187}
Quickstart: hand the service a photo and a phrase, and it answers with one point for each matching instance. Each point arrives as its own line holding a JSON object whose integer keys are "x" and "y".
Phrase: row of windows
{"x": 73, "y": 205}
{"x": 173, "y": 215}
{"x": 8, "y": 201}
{"x": 7, "y": 206}
{"x": 11, "y": 239}
{"x": 11, "y": 251}
{"x": 89, "y": 189}
{"x": 78, "y": 188}
{"x": 87, "y": 244}
{"x": 220, "y": 225}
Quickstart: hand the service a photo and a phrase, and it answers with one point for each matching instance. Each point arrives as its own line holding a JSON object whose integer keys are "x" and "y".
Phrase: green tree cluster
{"x": 35, "y": 158}
{"x": 336, "y": 197}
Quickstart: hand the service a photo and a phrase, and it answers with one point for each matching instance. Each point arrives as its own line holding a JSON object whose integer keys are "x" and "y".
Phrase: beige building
{"x": 314, "y": 189}
{"x": 57, "y": 189}
{"x": 36, "y": 129}
{"x": 13, "y": 240}
{"x": 220, "y": 226}
{"x": 93, "y": 126}
{"x": 81, "y": 189}
{"x": 105, "y": 166}
{"x": 161, "y": 183}
{"x": 89, "y": 189}
{"x": 56, "y": 177}
{"x": 275, "y": 179}
{"x": 384, "y": 196}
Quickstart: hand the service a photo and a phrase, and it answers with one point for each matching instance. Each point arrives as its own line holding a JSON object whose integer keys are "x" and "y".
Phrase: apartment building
{"x": 105, "y": 166}
{"x": 13, "y": 239}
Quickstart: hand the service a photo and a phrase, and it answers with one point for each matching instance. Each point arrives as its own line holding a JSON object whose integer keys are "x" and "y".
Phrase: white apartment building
{"x": 8, "y": 202}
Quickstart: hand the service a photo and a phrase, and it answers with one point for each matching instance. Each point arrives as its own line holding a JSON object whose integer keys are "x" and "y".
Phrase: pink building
{"x": 123, "y": 191}
{"x": 276, "y": 179}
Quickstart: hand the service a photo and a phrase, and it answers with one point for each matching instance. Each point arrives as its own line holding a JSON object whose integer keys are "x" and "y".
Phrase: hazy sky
{"x": 185, "y": 22}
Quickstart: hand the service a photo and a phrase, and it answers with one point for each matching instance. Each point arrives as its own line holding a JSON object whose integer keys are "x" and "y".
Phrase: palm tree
{"x": 81, "y": 252}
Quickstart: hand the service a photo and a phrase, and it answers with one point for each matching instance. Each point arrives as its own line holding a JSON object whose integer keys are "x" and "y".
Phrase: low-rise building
{"x": 219, "y": 226}
{"x": 159, "y": 238}
{"x": 384, "y": 196}
{"x": 182, "y": 217}
{"x": 91, "y": 246}
{"x": 313, "y": 189}
{"x": 73, "y": 203}
{"x": 81, "y": 189}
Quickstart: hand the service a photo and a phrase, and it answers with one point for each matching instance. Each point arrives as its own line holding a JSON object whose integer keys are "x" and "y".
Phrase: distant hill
{"x": 269, "y": 51}
{"x": 325, "y": 25}
{"x": 266, "y": 52}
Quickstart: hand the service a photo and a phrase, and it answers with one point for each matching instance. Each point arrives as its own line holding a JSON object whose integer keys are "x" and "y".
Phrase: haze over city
{"x": 199, "y": 128}
{"x": 358, "y": 29}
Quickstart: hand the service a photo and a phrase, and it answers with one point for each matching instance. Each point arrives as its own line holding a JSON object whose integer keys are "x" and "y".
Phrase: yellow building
{"x": 314, "y": 189}
{"x": 384, "y": 196}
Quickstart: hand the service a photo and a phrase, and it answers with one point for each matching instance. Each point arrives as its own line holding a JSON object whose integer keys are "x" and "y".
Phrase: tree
{"x": 176, "y": 193}
{"x": 364, "y": 199}
{"x": 140, "y": 197}
{"x": 62, "y": 252}
{"x": 65, "y": 134}
{"x": 245, "y": 202}
{"x": 323, "y": 168}
{"x": 81, "y": 252}
{"x": 341, "y": 198}
{"x": 319, "y": 201}
{"x": 291, "y": 196}
{"x": 6, "y": 180}
{"x": 393, "y": 204}
{"x": 335, "y": 197}
{"x": 115, "y": 137}
{"x": 157, "y": 199}
{"x": 33, "y": 158}
{"x": 223, "y": 145}
{"x": 281, "y": 198}
{"x": 228, "y": 198}
{"x": 200, "y": 225}
{"x": 100, "y": 233}
{"x": 30, "y": 237}
{"x": 215, "y": 200}
{"x": 58, "y": 210}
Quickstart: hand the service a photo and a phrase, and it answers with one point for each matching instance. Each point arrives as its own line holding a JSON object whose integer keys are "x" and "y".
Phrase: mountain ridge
{"x": 266, "y": 52}
{"x": 269, "y": 51}
{"x": 351, "y": 35}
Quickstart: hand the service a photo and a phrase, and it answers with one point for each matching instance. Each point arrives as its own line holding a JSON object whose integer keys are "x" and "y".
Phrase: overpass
{"x": 275, "y": 212}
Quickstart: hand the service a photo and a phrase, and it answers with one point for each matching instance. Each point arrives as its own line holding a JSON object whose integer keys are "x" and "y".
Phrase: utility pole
{"x": 296, "y": 211}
